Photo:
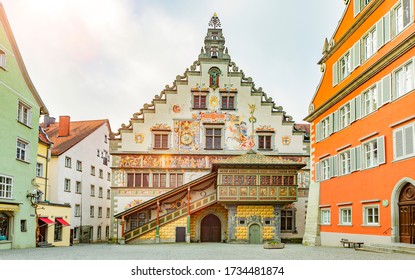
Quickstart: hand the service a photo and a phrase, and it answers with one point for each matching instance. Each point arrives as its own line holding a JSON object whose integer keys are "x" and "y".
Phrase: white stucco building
{"x": 80, "y": 175}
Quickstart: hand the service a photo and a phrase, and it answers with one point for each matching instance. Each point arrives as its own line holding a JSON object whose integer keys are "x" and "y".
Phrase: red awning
{"x": 47, "y": 221}
{"x": 62, "y": 221}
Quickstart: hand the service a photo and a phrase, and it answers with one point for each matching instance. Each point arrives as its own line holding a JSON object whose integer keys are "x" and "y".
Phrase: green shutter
{"x": 335, "y": 74}
{"x": 409, "y": 140}
{"x": 352, "y": 110}
{"x": 355, "y": 55}
{"x": 336, "y": 121}
{"x": 379, "y": 34}
{"x": 356, "y": 7}
{"x": 331, "y": 124}
{"x": 317, "y": 165}
{"x": 358, "y": 107}
{"x": 318, "y": 132}
{"x": 387, "y": 28}
{"x": 358, "y": 158}
{"x": 352, "y": 159}
{"x": 386, "y": 90}
{"x": 335, "y": 166}
{"x": 398, "y": 144}
{"x": 381, "y": 150}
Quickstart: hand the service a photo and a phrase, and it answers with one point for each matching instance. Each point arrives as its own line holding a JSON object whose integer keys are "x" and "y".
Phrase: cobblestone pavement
{"x": 195, "y": 251}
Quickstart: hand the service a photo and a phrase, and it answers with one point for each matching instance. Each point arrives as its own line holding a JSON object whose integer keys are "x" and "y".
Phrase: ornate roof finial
{"x": 214, "y": 21}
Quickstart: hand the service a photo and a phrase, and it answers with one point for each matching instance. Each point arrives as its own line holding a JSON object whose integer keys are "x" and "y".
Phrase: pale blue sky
{"x": 96, "y": 59}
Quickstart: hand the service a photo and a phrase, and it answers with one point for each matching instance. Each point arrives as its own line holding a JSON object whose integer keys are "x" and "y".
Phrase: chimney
{"x": 64, "y": 126}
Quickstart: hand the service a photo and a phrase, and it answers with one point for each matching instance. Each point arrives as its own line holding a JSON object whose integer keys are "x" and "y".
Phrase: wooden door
{"x": 180, "y": 234}
{"x": 210, "y": 229}
{"x": 407, "y": 215}
{"x": 255, "y": 234}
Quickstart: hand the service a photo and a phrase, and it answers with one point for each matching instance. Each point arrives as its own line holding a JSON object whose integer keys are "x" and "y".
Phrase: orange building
{"x": 363, "y": 123}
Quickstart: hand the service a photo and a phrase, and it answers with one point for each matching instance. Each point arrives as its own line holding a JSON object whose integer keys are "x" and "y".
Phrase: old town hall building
{"x": 210, "y": 159}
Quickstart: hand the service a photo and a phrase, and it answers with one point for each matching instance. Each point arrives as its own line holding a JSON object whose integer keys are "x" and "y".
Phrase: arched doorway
{"x": 210, "y": 229}
{"x": 255, "y": 234}
{"x": 407, "y": 214}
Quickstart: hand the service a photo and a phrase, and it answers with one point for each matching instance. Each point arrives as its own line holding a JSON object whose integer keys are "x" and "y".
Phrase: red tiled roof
{"x": 43, "y": 137}
{"x": 302, "y": 127}
{"x": 78, "y": 131}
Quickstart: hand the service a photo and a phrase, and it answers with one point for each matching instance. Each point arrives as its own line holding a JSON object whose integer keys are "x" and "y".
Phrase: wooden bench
{"x": 350, "y": 244}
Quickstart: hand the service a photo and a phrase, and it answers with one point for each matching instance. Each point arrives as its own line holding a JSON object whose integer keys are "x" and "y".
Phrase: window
{"x": 176, "y": 180}
{"x": 99, "y": 233}
{"x": 199, "y": 101}
{"x": 161, "y": 141}
{"x": 264, "y": 142}
{"x": 345, "y": 216}
{"x": 404, "y": 79}
{"x": 138, "y": 180}
{"x": 325, "y": 168}
{"x": 91, "y": 211}
{"x": 401, "y": 14}
{"x": 371, "y": 215}
{"x": 403, "y": 142}
{"x": 345, "y": 117}
{"x": 3, "y": 59}
{"x": 68, "y": 162}
{"x": 39, "y": 170}
{"x": 287, "y": 220}
{"x": 4, "y": 226}
{"x": 76, "y": 233}
{"x": 58, "y": 231}
{"x": 101, "y": 174}
{"x": 92, "y": 170}
{"x": 345, "y": 162}
{"x": 106, "y": 138}
{"x": 107, "y": 231}
{"x": 213, "y": 138}
{"x": 67, "y": 185}
{"x": 91, "y": 233}
{"x": 369, "y": 44}
{"x": 364, "y": 3}
{"x": 92, "y": 190}
{"x": 345, "y": 66}
{"x": 6, "y": 186}
{"x": 99, "y": 212}
{"x": 108, "y": 176}
{"x": 78, "y": 187}
{"x": 370, "y": 100}
{"x": 108, "y": 194}
{"x": 24, "y": 114}
{"x": 325, "y": 124}
{"x": 22, "y": 152}
{"x": 23, "y": 225}
{"x": 79, "y": 165}
{"x": 228, "y": 101}
{"x": 370, "y": 153}
{"x": 77, "y": 210}
{"x": 108, "y": 212}
{"x": 325, "y": 216}
{"x": 159, "y": 180}
{"x": 100, "y": 192}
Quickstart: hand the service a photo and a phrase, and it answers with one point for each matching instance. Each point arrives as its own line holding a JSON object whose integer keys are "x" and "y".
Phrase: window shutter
{"x": 381, "y": 150}
{"x": 409, "y": 140}
{"x": 335, "y": 74}
{"x": 393, "y": 23}
{"x": 356, "y": 55}
{"x": 335, "y": 166}
{"x": 359, "y": 160}
{"x": 331, "y": 124}
{"x": 379, "y": 33}
{"x": 318, "y": 132}
{"x": 352, "y": 110}
{"x": 407, "y": 11}
{"x": 379, "y": 94}
{"x": 29, "y": 117}
{"x": 352, "y": 159}
{"x": 398, "y": 144}
{"x": 386, "y": 28}
{"x": 386, "y": 90}
{"x": 358, "y": 107}
{"x": 317, "y": 172}
{"x": 356, "y": 7}
{"x": 336, "y": 121}
{"x": 331, "y": 165}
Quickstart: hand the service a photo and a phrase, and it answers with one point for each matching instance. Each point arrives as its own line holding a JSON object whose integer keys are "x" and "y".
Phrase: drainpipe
{"x": 158, "y": 223}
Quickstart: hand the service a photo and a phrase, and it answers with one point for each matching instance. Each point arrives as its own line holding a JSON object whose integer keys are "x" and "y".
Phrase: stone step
{"x": 45, "y": 244}
{"x": 389, "y": 248}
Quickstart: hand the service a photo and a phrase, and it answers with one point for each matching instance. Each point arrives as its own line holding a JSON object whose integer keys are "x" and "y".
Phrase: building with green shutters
{"x": 20, "y": 109}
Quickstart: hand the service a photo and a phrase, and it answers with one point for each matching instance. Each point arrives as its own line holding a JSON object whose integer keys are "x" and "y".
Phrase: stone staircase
{"x": 400, "y": 248}
{"x": 45, "y": 244}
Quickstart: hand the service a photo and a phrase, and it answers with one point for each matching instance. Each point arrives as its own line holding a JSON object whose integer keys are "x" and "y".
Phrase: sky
{"x": 104, "y": 59}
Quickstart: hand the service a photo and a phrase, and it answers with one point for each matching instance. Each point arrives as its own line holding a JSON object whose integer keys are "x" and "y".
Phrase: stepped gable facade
{"x": 166, "y": 172}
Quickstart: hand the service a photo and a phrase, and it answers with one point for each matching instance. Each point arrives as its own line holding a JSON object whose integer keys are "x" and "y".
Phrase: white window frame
{"x": 370, "y": 100}
{"x": 24, "y": 114}
{"x": 325, "y": 216}
{"x": 345, "y": 216}
{"x": 99, "y": 212}
{"x": 108, "y": 212}
{"x": 371, "y": 219}
{"x": 77, "y": 210}
{"x": 325, "y": 169}
{"x": 91, "y": 211}
{"x": 100, "y": 192}
{"x": 345, "y": 65}
{"x": 92, "y": 170}
{"x": 403, "y": 143}
{"x": 22, "y": 150}
{"x": 6, "y": 187}
{"x": 403, "y": 79}
{"x": 39, "y": 169}
{"x": 67, "y": 185}
{"x": 325, "y": 128}
{"x": 68, "y": 162}
{"x": 78, "y": 187}
{"x": 398, "y": 16}
{"x": 79, "y": 165}
{"x": 345, "y": 162}
{"x": 370, "y": 153}
{"x": 345, "y": 115}
{"x": 370, "y": 45}
{"x": 92, "y": 193}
